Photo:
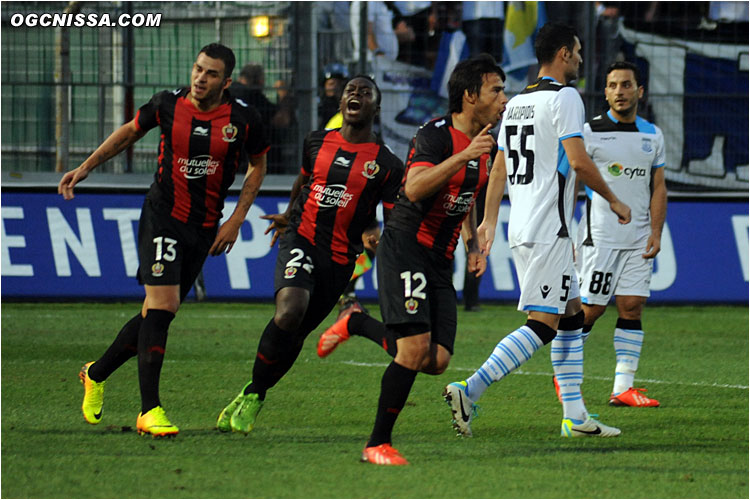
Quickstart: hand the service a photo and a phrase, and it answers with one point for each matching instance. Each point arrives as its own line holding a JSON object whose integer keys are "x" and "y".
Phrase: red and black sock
{"x": 277, "y": 352}
{"x": 366, "y": 326}
{"x": 152, "y": 343}
{"x": 394, "y": 391}
{"x": 124, "y": 347}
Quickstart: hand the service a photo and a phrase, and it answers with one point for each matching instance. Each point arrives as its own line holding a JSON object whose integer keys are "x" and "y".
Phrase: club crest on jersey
{"x": 411, "y": 306}
{"x": 646, "y": 145}
{"x": 157, "y": 270}
{"x": 615, "y": 170}
{"x": 290, "y": 272}
{"x": 473, "y": 164}
{"x": 229, "y": 132}
{"x": 371, "y": 169}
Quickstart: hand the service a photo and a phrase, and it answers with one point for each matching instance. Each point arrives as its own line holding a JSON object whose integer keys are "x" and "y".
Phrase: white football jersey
{"x": 625, "y": 154}
{"x": 540, "y": 180}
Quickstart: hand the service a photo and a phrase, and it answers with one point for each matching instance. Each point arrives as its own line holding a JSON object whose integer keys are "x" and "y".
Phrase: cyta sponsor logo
{"x": 616, "y": 170}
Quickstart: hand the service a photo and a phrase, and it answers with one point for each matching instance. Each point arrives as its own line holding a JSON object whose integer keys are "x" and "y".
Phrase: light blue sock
{"x": 510, "y": 353}
{"x": 566, "y": 354}
{"x": 628, "y": 344}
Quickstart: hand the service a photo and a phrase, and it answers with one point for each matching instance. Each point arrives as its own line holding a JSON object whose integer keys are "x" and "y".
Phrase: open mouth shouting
{"x": 353, "y": 106}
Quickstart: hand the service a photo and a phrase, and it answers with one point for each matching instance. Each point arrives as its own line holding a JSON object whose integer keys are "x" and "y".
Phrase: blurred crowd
{"x": 417, "y": 33}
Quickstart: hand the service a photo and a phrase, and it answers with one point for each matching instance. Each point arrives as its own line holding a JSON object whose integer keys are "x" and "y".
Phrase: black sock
{"x": 366, "y": 326}
{"x": 124, "y": 347}
{"x": 349, "y": 290}
{"x": 545, "y": 333}
{"x": 277, "y": 352}
{"x": 629, "y": 324}
{"x": 394, "y": 391}
{"x": 571, "y": 323}
{"x": 152, "y": 342}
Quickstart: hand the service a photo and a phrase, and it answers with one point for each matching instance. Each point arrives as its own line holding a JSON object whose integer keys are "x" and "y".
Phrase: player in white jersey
{"x": 541, "y": 139}
{"x": 614, "y": 259}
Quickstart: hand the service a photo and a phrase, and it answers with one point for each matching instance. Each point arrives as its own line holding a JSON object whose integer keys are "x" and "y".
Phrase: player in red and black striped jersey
{"x": 345, "y": 174}
{"x": 200, "y": 152}
{"x": 447, "y": 166}
{"x": 437, "y": 218}
{"x": 206, "y": 136}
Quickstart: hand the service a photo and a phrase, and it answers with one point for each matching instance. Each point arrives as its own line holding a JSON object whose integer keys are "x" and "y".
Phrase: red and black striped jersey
{"x": 436, "y": 220}
{"x": 347, "y": 181}
{"x": 199, "y": 152}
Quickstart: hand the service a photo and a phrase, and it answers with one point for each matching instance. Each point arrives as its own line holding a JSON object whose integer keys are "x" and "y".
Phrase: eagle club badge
{"x": 157, "y": 270}
{"x": 289, "y": 272}
{"x": 371, "y": 169}
{"x": 411, "y": 306}
{"x": 229, "y": 132}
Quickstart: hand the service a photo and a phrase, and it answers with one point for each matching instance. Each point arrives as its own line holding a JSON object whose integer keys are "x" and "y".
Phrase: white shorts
{"x": 609, "y": 271}
{"x": 546, "y": 275}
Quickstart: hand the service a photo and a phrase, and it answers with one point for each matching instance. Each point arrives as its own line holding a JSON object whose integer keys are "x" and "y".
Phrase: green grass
{"x": 317, "y": 419}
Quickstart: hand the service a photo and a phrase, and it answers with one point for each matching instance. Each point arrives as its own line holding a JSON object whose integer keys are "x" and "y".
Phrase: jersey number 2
{"x": 528, "y": 155}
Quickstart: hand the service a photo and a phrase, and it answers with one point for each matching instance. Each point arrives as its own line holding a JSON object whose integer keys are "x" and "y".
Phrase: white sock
{"x": 566, "y": 354}
{"x": 628, "y": 345}
{"x": 510, "y": 353}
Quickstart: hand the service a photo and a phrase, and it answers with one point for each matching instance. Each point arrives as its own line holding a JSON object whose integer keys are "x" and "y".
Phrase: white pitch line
{"x": 383, "y": 365}
{"x": 543, "y": 374}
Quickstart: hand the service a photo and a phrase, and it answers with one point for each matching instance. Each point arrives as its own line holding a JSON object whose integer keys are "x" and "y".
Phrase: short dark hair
{"x": 219, "y": 51}
{"x": 370, "y": 79}
{"x": 625, "y": 65}
{"x": 551, "y": 38}
{"x": 468, "y": 75}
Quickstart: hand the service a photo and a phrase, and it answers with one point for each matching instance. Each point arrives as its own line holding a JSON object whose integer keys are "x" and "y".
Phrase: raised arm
{"x": 423, "y": 181}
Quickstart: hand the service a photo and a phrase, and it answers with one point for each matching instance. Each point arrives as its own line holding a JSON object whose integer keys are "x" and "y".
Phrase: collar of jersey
{"x": 205, "y": 115}
{"x": 362, "y": 146}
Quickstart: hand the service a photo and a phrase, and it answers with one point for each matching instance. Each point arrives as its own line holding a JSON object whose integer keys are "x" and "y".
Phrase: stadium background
{"x": 65, "y": 90}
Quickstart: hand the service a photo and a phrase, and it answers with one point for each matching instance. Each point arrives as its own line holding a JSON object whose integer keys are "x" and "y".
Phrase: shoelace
{"x": 475, "y": 410}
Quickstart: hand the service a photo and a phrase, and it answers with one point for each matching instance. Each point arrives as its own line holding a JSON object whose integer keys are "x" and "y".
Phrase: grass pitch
{"x": 317, "y": 419}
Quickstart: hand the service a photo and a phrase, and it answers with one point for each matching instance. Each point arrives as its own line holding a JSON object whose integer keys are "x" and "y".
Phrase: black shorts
{"x": 170, "y": 252}
{"x": 301, "y": 264}
{"x": 415, "y": 288}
